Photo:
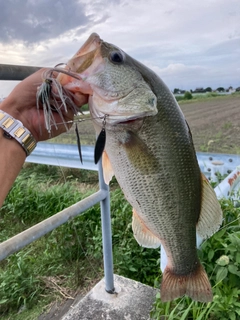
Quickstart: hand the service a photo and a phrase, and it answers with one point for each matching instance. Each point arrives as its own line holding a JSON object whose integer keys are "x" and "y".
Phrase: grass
{"x": 85, "y": 127}
{"x": 68, "y": 259}
{"x": 205, "y": 96}
{"x": 216, "y": 138}
{"x": 38, "y": 193}
{"x": 220, "y": 256}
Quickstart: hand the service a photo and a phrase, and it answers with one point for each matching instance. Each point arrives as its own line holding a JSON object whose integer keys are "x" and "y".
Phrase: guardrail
{"x": 209, "y": 163}
{"x": 63, "y": 155}
{"x": 66, "y": 155}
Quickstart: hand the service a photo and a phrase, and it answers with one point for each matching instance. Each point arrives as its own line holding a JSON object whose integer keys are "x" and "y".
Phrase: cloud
{"x": 192, "y": 76}
{"x": 225, "y": 48}
{"x": 32, "y": 21}
{"x": 180, "y": 75}
{"x": 187, "y": 43}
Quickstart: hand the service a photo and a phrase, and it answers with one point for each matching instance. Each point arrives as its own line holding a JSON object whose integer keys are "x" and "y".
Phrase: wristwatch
{"x": 14, "y": 128}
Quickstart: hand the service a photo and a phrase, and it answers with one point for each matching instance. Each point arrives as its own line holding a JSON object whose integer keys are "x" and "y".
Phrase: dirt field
{"x": 214, "y": 122}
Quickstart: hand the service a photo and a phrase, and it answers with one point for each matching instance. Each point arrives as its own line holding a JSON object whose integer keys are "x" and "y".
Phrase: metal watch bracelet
{"x": 16, "y": 130}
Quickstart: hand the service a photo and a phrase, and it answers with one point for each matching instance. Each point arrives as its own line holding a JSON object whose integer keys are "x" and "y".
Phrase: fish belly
{"x": 157, "y": 170}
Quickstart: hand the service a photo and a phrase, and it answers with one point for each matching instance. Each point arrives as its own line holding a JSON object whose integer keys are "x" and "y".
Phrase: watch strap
{"x": 16, "y": 130}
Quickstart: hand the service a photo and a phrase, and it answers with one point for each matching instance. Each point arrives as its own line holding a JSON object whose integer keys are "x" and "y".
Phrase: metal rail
{"x": 15, "y": 72}
{"x": 209, "y": 163}
{"x": 67, "y": 156}
{"x": 26, "y": 237}
{"x": 63, "y": 155}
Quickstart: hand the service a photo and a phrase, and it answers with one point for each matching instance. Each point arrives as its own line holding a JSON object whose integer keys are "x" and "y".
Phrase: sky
{"x": 187, "y": 43}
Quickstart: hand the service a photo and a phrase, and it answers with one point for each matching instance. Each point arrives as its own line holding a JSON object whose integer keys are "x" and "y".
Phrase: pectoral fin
{"x": 139, "y": 154}
{"x": 210, "y": 218}
{"x": 107, "y": 168}
{"x": 142, "y": 234}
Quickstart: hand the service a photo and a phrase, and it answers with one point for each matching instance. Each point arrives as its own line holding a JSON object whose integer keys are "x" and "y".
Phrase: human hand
{"x": 21, "y": 105}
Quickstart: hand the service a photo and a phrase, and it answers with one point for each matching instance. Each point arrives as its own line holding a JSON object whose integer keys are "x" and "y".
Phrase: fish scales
{"x": 150, "y": 150}
{"x": 176, "y": 182}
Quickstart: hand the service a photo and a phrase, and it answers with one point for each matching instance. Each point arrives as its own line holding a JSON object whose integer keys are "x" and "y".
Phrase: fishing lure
{"x": 100, "y": 143}
{"x": 78, "y": 143}
{"x": 60, "y": 100}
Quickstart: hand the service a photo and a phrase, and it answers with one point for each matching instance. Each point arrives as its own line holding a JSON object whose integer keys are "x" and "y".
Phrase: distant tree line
{"x": 202, "y": 90}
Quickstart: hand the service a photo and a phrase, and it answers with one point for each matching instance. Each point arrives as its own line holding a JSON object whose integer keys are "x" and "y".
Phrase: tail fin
{"x": 196, "y": 285}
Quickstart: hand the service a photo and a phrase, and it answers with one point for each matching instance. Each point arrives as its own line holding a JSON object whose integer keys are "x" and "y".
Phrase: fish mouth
{"x": 81, "y": 61}
{"x": 114, "y": 119}
{"x": 118, "y": 104}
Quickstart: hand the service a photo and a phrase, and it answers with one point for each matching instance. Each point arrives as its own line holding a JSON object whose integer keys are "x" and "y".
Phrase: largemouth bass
{"x": 150, "y": 150}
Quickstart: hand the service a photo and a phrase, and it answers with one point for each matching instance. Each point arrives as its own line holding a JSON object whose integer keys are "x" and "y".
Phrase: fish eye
{"x": 116, "y": 57}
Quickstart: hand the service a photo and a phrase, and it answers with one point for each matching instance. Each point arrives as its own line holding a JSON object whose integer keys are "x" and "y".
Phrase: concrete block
{"x": 132, "y": 301}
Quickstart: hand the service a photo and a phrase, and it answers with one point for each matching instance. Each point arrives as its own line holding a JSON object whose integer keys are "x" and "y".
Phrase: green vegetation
{"x": 220, "y": 256}
{"x": 86, "y": 130}
{"x": 70, "y": 257}
{"x": 217, "y": 138}
{"x": 202, "y": 96}
{"x": 39, "y": 192}
{"x": 187, "y": 95}
{"x": 85, "y": 107}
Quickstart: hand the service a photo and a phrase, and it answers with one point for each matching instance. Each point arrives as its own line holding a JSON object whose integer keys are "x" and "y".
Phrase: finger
{"x": 80, "y": 99}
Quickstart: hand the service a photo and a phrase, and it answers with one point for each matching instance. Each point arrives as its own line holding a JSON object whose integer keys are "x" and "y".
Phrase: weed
{"x": 73, "y": 249}
{"x": 227, "y": 125}
{"x": 36, "y": 195}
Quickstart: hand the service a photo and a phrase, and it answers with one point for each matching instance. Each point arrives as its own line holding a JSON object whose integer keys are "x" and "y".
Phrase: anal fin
{"x": 210, "y": 218}
{"x": 108, "y": 172}
{"x": 142, "y": 234}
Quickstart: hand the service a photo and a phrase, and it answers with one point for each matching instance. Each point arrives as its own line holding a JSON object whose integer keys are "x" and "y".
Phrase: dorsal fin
{"x": 210, "y": 218}
{"x": 142, "y": 234}
{"x": 108, "y": 172}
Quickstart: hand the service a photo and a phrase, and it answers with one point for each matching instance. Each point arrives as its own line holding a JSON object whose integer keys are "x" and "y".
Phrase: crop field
{"x": 214, "y": 123}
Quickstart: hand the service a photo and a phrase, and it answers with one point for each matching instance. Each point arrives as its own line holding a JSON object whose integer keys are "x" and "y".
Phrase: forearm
{"x": 11, "y": 161}
{"x": 21, "y": 106}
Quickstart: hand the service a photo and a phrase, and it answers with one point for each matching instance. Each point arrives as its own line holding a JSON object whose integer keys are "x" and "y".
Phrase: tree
{"x": 187, "y": 95}
{"x": 220, "y": 89}
{"x": 208, "y": 89}
{"x": 176, "y": 90}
